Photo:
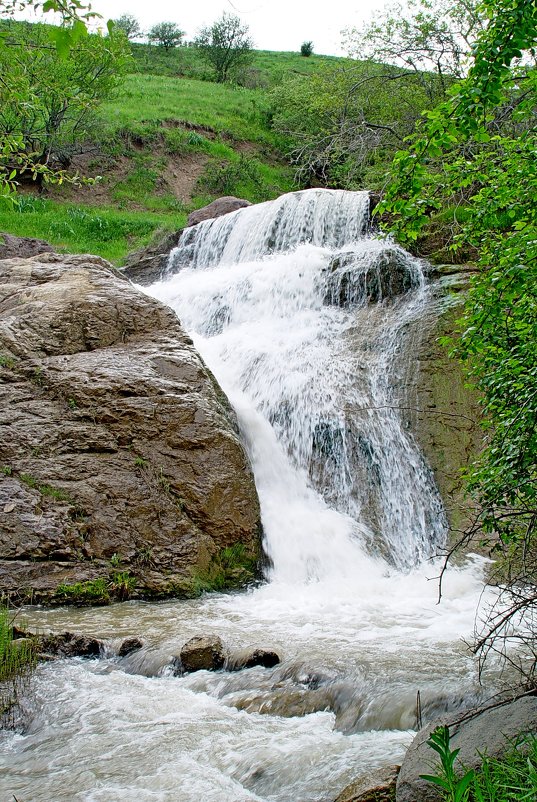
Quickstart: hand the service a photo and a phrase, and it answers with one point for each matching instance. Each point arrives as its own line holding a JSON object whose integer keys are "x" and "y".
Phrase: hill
{"x": 168, "y": 142}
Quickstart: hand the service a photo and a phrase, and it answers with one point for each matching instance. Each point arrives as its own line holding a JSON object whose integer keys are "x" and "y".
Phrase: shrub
{"x": 306, "y": 48}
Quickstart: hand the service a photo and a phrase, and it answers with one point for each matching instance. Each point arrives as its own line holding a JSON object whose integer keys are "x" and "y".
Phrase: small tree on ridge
{"x": 166, "y": 35}
{"x": 226, "y": 46}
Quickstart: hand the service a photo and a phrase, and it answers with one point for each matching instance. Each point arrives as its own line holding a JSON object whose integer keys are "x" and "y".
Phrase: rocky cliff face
{"x": 444, "y": 412}
{"x": 121, "y": 470}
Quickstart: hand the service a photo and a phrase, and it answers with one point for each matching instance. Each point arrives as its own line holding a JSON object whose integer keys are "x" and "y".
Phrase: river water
{"x": 306, "y": 322}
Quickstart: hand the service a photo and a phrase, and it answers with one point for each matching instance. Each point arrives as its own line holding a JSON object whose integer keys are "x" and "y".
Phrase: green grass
{"x": 225, "y": 109}
{"x": 107, "y": 232}
{"x": 17, "y": 660}
{"x": 94, "y": 591}
{"x": 267, "y": 67}
{"x": 509, "y": 778}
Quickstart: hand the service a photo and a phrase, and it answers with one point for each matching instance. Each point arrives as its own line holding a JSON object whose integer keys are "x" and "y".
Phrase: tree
{"x": 166, "y": 35}
{"x": 478, "y": 150}
{"x": 431, "y": 38}
{"x": 129, "y": 25}
{"x": 306, "y": 49}
{"x": 59, "y": 94}
{"x": 342, "y": 124}
{"x": 225, "y": 46}
{"x": 13, "y": 155}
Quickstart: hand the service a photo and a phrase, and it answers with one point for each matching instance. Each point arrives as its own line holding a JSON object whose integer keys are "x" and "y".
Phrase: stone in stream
{"x": 351, "y": 281}
{"x": 68, "y": 644}
{"x": 122, "y": 470}
{"x": 129, "y": 646}
{"x": 248, "y": 658}
{"x": 377, "y": 786}
{"x": 203, "y": 653}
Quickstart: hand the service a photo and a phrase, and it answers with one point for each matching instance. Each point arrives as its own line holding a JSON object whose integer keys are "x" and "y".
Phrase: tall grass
{"x": 17, "y": 661}
{"x": 84, "y": 229}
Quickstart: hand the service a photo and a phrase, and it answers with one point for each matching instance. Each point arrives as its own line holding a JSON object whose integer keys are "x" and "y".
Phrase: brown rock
{"x": 217, "y": 208}
{"x": 114, "y": 439}
{"x": 148, "y": 264}
{"x": 22, "y": 247}
{"x": 202, "y": 653}
{"x": 378, "y": 786}
{"x": 129, "y": 645}
{"x": 69, "y": 644}
{"x": 248, "y": 658}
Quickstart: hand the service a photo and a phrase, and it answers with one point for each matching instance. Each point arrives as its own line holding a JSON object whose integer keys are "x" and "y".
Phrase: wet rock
{"x": 217, "y": 208}
{"x": 250, "y": 658}
{"x": 129, "y": 646}
{"x": 378, "y": 786}
{"x": 122, "y": 472}
{"x": 489, "y": 731}
{"x": 22, "y": 247}
{"x": 148, "y": 264}
{"x": 69, "y": 644}
{"x": 352, "y": 280}
{"x": 203, "y": 653}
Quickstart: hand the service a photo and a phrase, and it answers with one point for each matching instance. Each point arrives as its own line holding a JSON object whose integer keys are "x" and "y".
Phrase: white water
{"x": 350, "y": 516}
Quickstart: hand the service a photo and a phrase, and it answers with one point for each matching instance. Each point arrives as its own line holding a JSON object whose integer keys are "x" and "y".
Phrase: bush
{"x": 306, "y": 49}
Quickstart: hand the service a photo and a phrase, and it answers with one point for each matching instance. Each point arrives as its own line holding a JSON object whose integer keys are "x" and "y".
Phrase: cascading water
{"x": 304, "y": 320}
{"x": 295, "y": 308}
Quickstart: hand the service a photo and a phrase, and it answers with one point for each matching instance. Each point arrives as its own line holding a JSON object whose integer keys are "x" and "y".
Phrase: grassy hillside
{"x": 167, "y": 143}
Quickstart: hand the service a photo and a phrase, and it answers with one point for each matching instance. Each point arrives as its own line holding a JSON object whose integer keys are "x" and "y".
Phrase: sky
{"x": 274, "y": 24}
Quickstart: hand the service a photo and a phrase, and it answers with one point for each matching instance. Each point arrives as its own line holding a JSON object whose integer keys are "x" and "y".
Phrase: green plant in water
{"x": 17, "y": 661}
{"x": 232, "y": 567}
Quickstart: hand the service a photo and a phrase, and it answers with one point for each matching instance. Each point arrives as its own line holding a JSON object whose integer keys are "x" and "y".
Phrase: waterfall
{"x": 304, "y": 318}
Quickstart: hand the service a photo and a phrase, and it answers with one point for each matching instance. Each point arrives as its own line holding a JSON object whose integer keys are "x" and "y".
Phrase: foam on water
{"x": 286, "y": 302}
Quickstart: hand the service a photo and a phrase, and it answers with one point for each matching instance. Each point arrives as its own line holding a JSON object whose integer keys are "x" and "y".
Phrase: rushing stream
{"x": 306, "y": 322}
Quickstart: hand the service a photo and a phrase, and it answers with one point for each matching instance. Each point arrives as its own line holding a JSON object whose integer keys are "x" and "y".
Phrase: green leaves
{"x": 455, "y": 789}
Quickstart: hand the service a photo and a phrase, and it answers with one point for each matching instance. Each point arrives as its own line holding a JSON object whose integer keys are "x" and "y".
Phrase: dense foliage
{"x": 479, "y": 149}
{"x": 48, "y": 100}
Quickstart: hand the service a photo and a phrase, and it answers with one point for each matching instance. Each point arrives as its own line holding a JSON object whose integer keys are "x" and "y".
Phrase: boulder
{"x": 129, "y": 646}
{"x": 121, "y": 468}
{"x": 203, "y": 653}
{"x": 149, "y": 264}
{"x": 248, "y": 658}
{"x": 378, "y": 786}
{"x": 22, "y": 247}
{"x": 69, "y": 644}
{"x": 487, "y": 731}
{"x": 217, "y": 208}
{"x": 354, "y": 279}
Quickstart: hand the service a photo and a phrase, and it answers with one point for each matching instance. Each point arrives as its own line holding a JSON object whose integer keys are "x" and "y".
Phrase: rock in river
{"x": 121, "y": 468}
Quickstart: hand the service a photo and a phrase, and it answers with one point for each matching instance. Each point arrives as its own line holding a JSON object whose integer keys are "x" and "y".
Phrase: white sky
{"x": 274, "y": 24}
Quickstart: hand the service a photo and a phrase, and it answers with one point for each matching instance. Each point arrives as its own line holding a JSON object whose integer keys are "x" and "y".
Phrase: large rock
{"x": 490, "y": 732}
{"x": 217, "y": 208}
{"x": 443, "y": 412}
{"x": 354, "y": 279}
{"x": 203, "y": 653}
{"x": 120, "y": 460}
{"x": 22, "y": 247}
{"x": 148, "y": 264}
